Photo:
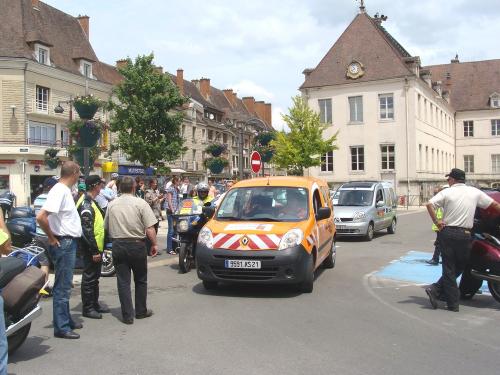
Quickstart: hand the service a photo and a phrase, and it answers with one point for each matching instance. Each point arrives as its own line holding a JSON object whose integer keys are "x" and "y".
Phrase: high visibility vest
{"x": 439, "y": 216}
{"x": 98, "y": 223}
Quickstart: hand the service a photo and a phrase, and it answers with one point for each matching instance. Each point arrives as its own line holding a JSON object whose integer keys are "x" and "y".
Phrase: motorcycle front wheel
{"x": 107, "y": 266}
{"x": 185, "y": 257}
{"x": 494, "y": 287}
{"x": 16, "y": 339}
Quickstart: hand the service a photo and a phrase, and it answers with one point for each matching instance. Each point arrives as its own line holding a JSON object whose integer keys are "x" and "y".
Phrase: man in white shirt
{"x": 59, "y": 219}
{"x": 458, "y": 203}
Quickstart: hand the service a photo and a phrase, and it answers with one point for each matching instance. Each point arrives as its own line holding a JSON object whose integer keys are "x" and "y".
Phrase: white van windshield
{"x": 355, "y": 198}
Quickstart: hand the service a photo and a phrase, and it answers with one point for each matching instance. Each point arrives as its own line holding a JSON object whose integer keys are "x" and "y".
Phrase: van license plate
{"x": 247, "y": 264}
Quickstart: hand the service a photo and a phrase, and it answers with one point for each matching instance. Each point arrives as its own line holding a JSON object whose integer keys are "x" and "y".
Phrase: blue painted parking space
{"x": 413, "y": 268}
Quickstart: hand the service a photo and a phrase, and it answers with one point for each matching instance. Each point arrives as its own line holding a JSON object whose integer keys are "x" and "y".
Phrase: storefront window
{"x": 4, "y": 183}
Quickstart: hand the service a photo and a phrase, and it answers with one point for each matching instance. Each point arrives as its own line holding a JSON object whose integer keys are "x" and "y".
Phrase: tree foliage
{"x": 304, "y": 145}
{"x": 146, "y": 116}
{"x": 262, "y": 144}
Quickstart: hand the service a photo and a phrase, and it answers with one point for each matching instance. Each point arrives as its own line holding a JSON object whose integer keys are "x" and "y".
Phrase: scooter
{"x": 20, "y": 282}
{"x": 484, "y": 261}
{"x": 188, "y": 221}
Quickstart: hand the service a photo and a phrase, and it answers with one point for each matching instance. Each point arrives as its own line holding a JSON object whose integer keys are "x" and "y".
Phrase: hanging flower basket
{"x": 78, "y": 156}
{"x": 216, "y": 149}
{"x": 86, "y": 132}
{"x": 216, "y": 164}
{"x": 86, "y": 106}
{"x": 51, "y": 160}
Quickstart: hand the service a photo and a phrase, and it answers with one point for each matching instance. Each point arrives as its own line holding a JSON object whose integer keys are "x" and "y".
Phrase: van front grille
{"x": 265, "y": 273}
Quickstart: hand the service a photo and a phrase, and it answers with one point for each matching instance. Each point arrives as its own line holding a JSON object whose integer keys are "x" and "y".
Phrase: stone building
{"x": 401, "y": 121}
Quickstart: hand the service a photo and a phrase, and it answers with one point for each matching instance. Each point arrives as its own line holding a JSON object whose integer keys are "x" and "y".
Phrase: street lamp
{"x": 239, "y": 129}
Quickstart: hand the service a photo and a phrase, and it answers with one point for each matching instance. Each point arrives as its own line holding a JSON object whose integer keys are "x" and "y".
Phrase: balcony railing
{"x": 35, "y": 142}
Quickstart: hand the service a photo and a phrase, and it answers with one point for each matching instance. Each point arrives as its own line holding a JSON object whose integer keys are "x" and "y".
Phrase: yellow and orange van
{"x": 274, "y": 230}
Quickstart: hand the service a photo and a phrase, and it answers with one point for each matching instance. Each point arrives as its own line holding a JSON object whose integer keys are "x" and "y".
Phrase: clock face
{"x": 354, "y": 68}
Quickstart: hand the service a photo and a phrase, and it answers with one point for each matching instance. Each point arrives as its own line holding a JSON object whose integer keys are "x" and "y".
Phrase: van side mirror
{"x": 380, "y": 204}
{"x": 323, "y": 213}
{"x": 208, "y": 211}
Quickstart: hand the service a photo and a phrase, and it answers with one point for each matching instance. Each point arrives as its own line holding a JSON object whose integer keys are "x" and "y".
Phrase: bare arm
{"x": 151, "y": 233}
{"x": 5, "y": 248}
{"x": 43, "y": 220}
{"x": 495, "y": 206}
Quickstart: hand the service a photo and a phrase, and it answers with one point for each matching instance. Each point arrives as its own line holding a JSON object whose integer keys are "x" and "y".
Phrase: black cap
{"x": 457, "y": 174}
{"x": 49, "y": 182}
{"x": 92, "y": 181}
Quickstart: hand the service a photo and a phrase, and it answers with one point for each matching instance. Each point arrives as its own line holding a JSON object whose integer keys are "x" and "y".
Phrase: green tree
{"x": 146, "y": 115}
{"x": 262, "y": 144}
{"x": 304, "y": 145}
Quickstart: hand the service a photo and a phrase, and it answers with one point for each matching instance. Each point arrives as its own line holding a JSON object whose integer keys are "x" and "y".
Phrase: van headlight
{"x": 359, "y": 215}
{"x": 205, "y": 238}
{"x": 292, "y": 238}
{"x": 182, "y": 226}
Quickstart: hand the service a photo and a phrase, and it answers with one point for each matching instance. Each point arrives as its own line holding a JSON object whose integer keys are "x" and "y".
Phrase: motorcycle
{"x": 107, "y": 266}
{"x": 21, "y": 283}
{"x": 7, "y": 201}
{"x": 188, "y": 221}
{"x": 484, "y": 261}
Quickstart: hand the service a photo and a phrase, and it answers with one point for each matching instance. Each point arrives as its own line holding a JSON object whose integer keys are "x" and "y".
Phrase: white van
{"x": 364, "y": 207}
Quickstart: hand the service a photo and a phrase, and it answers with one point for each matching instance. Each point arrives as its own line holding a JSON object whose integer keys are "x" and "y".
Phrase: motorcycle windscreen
{"x": 189, "y": 207}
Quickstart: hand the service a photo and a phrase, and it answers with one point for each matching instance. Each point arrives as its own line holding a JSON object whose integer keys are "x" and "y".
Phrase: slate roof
{"x": 470, "y": 83}
{"x": 21, "y": 26}
{"x": 367, "y": 42}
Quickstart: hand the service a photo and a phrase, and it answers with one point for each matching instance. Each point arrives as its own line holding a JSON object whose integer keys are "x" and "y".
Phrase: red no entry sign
{"x": 255, "y": 161}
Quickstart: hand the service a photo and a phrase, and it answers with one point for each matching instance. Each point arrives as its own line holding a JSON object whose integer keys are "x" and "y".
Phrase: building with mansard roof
{"x": 46, "y": 59}
{"x": 400, "y": 121}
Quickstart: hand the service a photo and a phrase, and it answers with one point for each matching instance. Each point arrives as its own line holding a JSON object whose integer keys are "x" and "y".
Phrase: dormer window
{"x": 42, "y": 54}
{"x": 86, "y": 69}
{"x": 495, "y": 100}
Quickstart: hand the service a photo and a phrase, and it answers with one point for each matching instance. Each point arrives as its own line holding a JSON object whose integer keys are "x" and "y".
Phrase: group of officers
{"x": 128, "y": 220}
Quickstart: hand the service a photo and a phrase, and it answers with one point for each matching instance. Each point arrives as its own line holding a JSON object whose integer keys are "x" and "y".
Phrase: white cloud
{"x": 246, "y": 87}
{"x": 278, "y": 122}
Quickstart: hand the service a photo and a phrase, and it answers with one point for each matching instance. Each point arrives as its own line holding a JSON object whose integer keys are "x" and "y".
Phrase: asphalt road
{"x": 353, "y": 323}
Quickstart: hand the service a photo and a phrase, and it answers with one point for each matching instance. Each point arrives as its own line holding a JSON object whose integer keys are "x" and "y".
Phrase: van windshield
{"x": 355, "y": 198}
{"x": 270, "y": 203}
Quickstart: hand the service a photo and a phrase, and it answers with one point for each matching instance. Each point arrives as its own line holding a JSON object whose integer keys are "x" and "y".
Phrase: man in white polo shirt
{"x": 59, "y": 219}
{"x": 458, "y": 203}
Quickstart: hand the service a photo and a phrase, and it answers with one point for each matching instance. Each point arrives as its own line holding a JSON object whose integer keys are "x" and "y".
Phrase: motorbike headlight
{"x": 292, "y": 238}
{"x": 205, "y": 237}
{"x": 359, "y": 215}
{"x": 182, "y": 226}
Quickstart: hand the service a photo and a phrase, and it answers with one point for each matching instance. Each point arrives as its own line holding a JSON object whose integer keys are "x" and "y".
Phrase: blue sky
{"x": 260, "y": 47}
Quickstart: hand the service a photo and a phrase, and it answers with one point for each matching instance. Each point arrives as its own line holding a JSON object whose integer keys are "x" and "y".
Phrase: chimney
{"x": 35, "y": 4}
{"x": 205, "y": 87}
{"x": 306, "y": 72}
{"x": 84, "y": 23}
{"x": 196, "y": 82}
{"x": 249, "y": 102}
{"x": 179, "y": 80}
{"x": 235, "y": 96}
{"x": 260, "y": 110}
{"x": 121, "y": 63}
{"x": 455, "y": 60}
{"x": 269, "y": 114}
{"x": 158, "y": 69}
{"x": 231, "y": 98}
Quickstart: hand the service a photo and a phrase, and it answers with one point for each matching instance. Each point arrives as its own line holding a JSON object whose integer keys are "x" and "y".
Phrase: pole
{"x": 240, "y": 149}
{"x": 407, "y": 148}
{"x": 86, "y": 162}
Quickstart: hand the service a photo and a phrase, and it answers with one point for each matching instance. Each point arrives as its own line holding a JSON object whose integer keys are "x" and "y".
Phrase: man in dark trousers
{"x": 459, "y": 204}
{"x": 128, "y": 221}
{"x": 92, "y": 246}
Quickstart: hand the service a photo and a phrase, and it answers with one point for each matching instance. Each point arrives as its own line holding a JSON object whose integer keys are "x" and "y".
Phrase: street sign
{"x": 255, "y": 161}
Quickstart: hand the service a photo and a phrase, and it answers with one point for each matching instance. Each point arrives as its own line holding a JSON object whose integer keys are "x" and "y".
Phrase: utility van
{"x": 364, "y": 207}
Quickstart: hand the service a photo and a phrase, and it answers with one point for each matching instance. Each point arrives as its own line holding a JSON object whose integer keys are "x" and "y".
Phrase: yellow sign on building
{"x": 109, "y": 167}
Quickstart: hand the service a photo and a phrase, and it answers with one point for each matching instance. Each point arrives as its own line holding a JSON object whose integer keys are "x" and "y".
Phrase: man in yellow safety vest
{"x": 92, "y": 246}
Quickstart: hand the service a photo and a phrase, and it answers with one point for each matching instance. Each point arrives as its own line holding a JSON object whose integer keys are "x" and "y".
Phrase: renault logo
{"x": 337, "y": 220}
{"x": 244, "y": 240}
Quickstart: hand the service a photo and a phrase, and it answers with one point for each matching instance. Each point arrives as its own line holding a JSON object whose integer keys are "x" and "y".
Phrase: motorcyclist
{"x": 202, "y": 197}
{"x": 92, "y": 246}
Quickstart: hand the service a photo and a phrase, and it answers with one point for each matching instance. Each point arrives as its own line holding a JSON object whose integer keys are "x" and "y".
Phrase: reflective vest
{"x": 439, "y": 216}
{"x": 98, "y": 223}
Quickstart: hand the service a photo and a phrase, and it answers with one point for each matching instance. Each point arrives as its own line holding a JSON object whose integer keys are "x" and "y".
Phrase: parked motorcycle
{"x": 188, "y": 221}
{"x": 107, "y": 266}
{"x": 484, "y": 261}
{"x": 20, "y": 282}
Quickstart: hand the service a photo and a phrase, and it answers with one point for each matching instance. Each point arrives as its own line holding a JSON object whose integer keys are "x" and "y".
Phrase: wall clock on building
{"x": 355, "y": 70}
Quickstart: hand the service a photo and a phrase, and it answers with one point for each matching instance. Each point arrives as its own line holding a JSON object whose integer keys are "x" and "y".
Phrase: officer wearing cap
{"x": 91, "y": 245}
{"x": 458, "y": 203}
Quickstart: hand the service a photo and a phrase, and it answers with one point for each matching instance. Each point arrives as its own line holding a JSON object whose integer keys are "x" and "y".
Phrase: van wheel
{"x": 392, "y": 228}
{"x": 369, "y": 232}
{"x": 329, "y": 261}
{"x": 306, "y": 286}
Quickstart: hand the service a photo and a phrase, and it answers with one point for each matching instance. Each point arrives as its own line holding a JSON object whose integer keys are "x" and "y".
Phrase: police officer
{"x": 92, "y": 245}
{"x": 202, "y": 194}
{"x": 459, "y": 204}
